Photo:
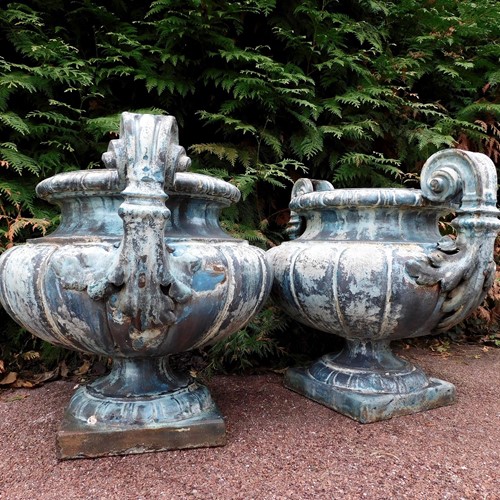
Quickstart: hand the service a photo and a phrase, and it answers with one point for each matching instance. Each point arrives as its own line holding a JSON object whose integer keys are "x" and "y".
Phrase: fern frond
{"x": 20, "y": 194}
{"x": 16, "y": 225}
{"x": 233, "y": 123}
{"x": 355, "y": 166}
{"x": 10, "y": 157}
{"x": 430, "y": 139}
{"x": 222, "y": 151}
{"x": 273, "y": 141}
{"x": 102, "y": 126}
{"x": 54, "y": 117}
{"x": 15, "y": 122}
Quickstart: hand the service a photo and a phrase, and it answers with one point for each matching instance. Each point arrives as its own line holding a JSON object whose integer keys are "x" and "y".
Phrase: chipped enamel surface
{"x": 371, "y": 266}
{"x": 138, "y": 269}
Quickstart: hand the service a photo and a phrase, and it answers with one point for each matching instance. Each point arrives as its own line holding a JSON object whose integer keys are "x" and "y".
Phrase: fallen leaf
{"x": 2, "y": 366}
{"x": 280, "y": 371}
{"x": 83, "y": 369}
{"x": 20, "y": 397}
{"x": 10, "y": 378}
{"x": 45, "y": 376}
{"x": 30, "y": 355}
{"x": 20, "y": 382}
{"x": 63, "y": 368}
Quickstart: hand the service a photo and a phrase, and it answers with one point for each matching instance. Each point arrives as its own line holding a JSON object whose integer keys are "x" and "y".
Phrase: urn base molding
{"x": 142, "y": 405}
{"x": 382, "y": 386}
{"x": 184, "y": 418}
{"x": 76, "y": 440}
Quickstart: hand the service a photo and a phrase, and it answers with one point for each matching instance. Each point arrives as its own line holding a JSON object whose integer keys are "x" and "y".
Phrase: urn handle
{"x": 467, "y": 179}
{"x": 143, "y": 283}
{"x": 463, "y": 267}
{"x": 296, "y": 225}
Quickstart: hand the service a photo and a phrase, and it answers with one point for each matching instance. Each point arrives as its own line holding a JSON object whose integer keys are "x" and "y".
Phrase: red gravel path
{"x": 281, "y": 446}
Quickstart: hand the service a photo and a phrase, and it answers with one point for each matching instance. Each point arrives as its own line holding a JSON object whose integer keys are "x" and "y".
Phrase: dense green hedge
{"x": 360, "y": 93}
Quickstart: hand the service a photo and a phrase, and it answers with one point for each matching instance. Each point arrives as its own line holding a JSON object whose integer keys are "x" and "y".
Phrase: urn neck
{"x": 89, "y": 201}
{"x": 367, "y": 214}
{"x": 384, "y": 224}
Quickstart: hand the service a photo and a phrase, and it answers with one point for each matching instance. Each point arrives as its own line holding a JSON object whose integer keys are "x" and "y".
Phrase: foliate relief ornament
{"x": 463, "y": 266}
{"x": 144, "y": 282}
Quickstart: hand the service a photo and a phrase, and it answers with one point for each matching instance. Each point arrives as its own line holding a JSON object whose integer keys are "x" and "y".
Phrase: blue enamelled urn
{"x": 138, "y": 269}
{"x": 371, "y": 266}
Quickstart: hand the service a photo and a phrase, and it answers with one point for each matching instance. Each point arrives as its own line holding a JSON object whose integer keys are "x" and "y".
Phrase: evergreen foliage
{"x": 359, "y": 93}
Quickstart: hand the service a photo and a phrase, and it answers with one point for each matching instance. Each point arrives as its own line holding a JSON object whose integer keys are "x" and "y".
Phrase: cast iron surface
{"x": 138, "y": 269}
{"x": 371, "y": 266}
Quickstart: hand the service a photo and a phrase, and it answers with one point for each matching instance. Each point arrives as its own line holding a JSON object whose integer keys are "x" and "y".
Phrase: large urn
{"x": 133, "y": 278}
{"x": 371, "y": 266}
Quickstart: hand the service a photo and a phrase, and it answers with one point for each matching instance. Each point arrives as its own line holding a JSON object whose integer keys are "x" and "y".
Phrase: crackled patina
{"x": 138, "y": 269}
{"x": 371, "y": 266}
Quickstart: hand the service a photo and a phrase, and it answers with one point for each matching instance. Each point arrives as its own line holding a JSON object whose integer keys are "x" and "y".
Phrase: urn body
{"x": 45, "y": 283}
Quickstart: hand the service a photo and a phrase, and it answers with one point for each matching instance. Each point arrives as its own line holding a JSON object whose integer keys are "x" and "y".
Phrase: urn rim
{"x": 365, "y": 198}
{"x": 204, "y": 185}
{"x": 67, "y": 184}
{"x": 107, "y": 182}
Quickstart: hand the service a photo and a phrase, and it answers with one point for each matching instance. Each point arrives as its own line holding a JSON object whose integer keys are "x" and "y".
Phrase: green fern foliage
{"x": 264, "y": 91}
{"x": 250, "y": 347}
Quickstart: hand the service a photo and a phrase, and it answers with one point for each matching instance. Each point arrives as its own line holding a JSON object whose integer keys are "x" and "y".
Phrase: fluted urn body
{"x": 138, "y": 269}
{"x": 371, "y": 266}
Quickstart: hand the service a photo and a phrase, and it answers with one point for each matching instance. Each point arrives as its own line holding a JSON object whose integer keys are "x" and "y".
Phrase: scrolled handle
{"x": 467, "y": 179}
{"x": 305, "y": 186}
{"x": 443, "y": 185}
{"x": 142, "y": 285}
{"x": 296, "y": 224}
{"x": 147, "y": 151}
{"x": 463, "y": 267}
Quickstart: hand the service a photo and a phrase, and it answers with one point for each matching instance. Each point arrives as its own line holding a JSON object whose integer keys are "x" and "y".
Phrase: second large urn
{"x": 371, "y": 266}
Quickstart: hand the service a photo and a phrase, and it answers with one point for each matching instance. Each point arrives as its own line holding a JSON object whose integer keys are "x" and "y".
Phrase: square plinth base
{"x": 366, "y": 408}
{"x": 77, "y": 440}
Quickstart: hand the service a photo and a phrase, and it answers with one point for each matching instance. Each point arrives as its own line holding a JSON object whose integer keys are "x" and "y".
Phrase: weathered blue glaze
{"x": 138, "y": 269}
{"x": 371, "y": 266}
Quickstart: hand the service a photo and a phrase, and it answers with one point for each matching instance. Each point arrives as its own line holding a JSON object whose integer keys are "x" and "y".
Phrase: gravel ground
{"x": 280, "y": 446}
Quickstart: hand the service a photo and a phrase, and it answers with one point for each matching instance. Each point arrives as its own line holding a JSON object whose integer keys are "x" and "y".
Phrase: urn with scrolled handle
{"x": 138, "y": 269}
{"x": 370, "y": 266}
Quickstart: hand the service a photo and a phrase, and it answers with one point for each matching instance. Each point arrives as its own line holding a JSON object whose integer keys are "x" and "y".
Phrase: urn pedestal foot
{"x": 368, "y": 383}
{"x": 76, "y": 439}
{"x": 366, "y": 408}
{"x": 141, "y": 406}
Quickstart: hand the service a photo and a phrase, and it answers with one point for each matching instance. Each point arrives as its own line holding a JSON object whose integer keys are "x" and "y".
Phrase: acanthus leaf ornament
{"x": 144, "y": 283}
